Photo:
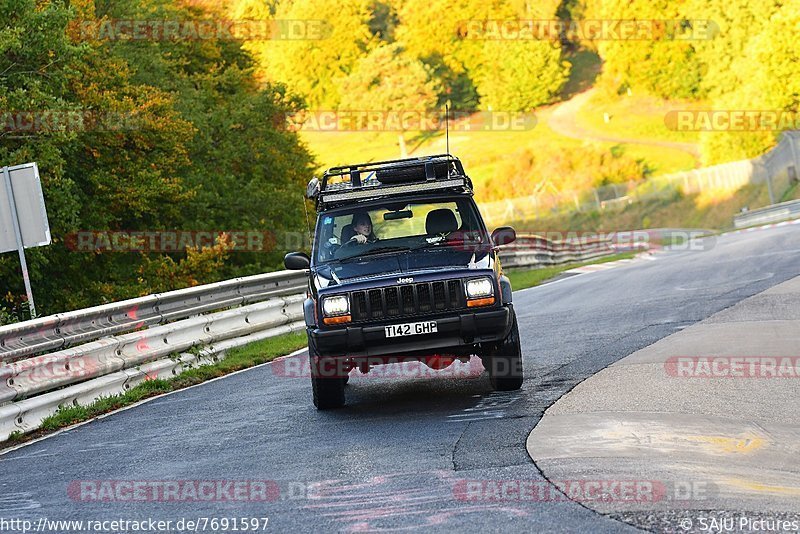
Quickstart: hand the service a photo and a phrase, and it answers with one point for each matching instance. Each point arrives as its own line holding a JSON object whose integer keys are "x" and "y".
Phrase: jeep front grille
{"x": 407, "y": 300}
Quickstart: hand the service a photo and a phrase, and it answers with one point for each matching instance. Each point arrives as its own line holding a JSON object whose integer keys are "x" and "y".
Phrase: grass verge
{"x": 640, "y": 117}
{"x": 236, "y": 360}
{"x": 525, "y": 278}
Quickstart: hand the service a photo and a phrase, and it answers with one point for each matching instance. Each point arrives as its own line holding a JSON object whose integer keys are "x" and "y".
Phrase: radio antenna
{"x": 447, "y": 126}
{"x": 308, "y": 224}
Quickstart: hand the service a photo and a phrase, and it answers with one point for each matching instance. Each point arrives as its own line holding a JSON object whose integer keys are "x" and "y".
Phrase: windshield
{"x": 396, "y": 227}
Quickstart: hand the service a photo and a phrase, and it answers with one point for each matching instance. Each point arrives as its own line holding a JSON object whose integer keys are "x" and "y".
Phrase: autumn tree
{"x": 768, "y": 71}
{"x": 187, "y": 139}
{"x": 524, "y": 75}
{"x": 480, "y": 71}
{"x": 314, "y": 67}
{"x": 389, "y": 80}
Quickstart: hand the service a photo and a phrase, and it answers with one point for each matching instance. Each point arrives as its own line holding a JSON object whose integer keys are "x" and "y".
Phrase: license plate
{"x": 411, "y": 329}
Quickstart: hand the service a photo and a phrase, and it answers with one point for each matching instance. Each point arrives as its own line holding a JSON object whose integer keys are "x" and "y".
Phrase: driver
{"x": 362, "y": 224}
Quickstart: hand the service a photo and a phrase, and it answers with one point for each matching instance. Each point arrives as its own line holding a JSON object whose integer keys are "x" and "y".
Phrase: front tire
{"x": 326, "y": 386}
{"x": 505, "y": 362}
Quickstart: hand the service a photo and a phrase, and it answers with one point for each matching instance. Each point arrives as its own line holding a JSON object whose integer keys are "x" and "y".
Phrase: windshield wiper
{"x": 375, "y": 252}
{"x": 446, "y": 243}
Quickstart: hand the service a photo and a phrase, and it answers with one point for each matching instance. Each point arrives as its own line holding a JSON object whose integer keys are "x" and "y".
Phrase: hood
{"x": 401, "y": 263}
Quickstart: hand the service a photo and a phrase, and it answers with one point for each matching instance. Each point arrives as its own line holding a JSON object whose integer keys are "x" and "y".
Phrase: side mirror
{"x": 504, "y": 236}
{"x": 296, "y": 261}
{"x": 312, "y": 190}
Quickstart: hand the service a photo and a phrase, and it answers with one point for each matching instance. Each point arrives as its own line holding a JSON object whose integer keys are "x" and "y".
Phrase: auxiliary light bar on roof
{"x": 360, "y": 194}
{"x": 352, "y": 183}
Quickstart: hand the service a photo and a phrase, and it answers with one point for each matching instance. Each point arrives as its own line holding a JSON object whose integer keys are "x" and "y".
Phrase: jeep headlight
{"x": 335, "y": 306}
{"x": 479, "y": 288}
{"x": 480, "y": 292}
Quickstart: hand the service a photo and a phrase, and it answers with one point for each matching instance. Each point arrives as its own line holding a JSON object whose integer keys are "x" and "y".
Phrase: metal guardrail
{"x": 784, "y": 211}
{"x": 530, "y": 250}
{"x": 76, "y": 357}
{"x": 72, "y": 328}
{"x": 37, "y": 387}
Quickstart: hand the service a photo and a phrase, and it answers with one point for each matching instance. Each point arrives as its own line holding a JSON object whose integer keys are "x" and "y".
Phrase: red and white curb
{"x": 764, "y": 227}
{"x": 644, "y": 256}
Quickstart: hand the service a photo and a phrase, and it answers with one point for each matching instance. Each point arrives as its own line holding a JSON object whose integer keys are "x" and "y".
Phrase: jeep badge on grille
{"x": 405, "y": 281}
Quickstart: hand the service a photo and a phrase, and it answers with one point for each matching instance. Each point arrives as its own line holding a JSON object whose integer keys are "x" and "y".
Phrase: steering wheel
{"x": 331, "y": 247}
{"x": 348, "y": 245}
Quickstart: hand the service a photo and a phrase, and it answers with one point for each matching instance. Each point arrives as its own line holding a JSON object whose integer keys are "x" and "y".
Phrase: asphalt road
{"x": 397, "y": 457}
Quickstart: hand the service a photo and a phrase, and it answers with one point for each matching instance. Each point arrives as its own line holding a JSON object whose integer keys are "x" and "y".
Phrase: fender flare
{"x": 308, "y": 313}
{"x": 505, "y": 287}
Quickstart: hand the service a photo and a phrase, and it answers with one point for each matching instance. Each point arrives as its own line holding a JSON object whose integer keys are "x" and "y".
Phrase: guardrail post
{"x": 795, "y": 158}
{"x": 769, "y": 186}
{"x": 770, "y": 166}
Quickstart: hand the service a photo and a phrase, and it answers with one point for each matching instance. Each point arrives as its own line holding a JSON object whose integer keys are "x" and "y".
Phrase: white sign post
{"x": 23, "y": 217}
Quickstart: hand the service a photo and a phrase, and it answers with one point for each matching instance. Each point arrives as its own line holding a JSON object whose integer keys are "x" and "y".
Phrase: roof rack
{"x": 365, "y": 181}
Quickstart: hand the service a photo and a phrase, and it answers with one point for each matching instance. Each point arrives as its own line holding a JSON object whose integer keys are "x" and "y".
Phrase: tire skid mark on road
{"x": 705, "y": 285}
{"x": 491, "y": 406}
{"x": 18, "y": 502}
{"x": 362, "y": 506}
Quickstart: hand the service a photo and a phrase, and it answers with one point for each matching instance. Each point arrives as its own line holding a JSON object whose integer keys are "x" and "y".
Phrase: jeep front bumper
{"x": 453, "y": 332}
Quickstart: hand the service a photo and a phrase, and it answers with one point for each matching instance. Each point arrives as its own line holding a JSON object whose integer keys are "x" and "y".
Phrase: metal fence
{"x": 77, "y": 357}
{"x": 778, "y": 169}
